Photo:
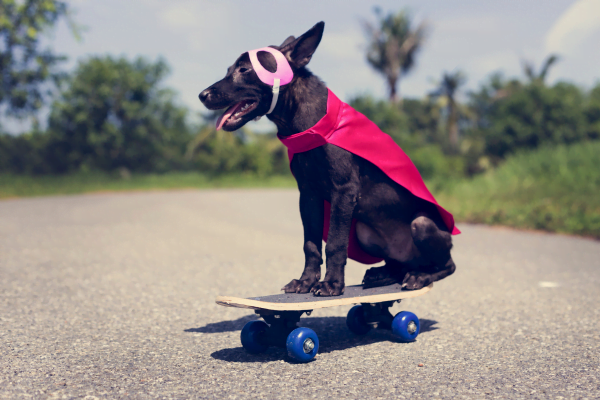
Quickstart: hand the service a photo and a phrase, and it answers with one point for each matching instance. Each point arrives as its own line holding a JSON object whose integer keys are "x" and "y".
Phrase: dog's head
{"x": 244, "y": 94}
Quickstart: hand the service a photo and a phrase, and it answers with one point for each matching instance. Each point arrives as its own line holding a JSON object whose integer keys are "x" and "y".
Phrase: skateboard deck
{"x": 300, "y": 302}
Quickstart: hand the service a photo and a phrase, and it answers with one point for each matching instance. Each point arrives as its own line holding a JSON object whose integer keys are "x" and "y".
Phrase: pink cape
{"x": 345, "y": 127}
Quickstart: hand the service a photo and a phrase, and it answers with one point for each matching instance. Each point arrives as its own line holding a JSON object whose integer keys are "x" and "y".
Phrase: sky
{"x": 201, "y": 38}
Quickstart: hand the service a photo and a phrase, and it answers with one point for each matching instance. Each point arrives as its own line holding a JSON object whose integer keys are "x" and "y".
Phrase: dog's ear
{"x": 287, "y": 41}
{"x": 300, "y": 51}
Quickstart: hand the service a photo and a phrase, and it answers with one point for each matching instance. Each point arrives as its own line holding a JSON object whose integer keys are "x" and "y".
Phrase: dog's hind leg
{"x": 434, "y": 244}
{"x": 424, "y": 260}
{"x": 376, "y": 245}
{"x": 417, "y": 279}
{"x": 371, "y": 242}
{"x": 392, "y": 272}
{"x": 432, "y": 239}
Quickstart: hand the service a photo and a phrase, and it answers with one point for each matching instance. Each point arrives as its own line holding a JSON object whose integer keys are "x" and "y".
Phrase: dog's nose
{"x": 203, "y": 96}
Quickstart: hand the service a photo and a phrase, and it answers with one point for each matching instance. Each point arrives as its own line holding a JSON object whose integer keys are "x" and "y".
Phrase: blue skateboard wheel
{"x": 302, "y": 344}
{"x": 355, "y": 321}
{"x": 250, "y": 337}
{"x": 406, "y": 326}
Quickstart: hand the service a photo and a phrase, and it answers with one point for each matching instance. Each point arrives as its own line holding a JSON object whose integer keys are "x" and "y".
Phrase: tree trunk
{"x": 453, "y": 124}
{"x": 394, "y": 97}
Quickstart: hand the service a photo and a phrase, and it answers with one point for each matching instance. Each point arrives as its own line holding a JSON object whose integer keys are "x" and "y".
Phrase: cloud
{"x": 573, "y": 26}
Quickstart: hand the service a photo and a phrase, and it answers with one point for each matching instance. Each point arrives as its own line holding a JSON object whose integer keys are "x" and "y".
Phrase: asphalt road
{"x": 112, "y": 296}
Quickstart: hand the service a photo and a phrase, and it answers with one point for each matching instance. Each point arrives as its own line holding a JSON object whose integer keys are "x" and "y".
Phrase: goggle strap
{"x": 276, "y": 84}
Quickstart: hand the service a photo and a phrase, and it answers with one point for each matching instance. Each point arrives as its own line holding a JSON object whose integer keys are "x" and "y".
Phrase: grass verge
{"x": 25, "y": 185}
{"x": 554, "y": 189}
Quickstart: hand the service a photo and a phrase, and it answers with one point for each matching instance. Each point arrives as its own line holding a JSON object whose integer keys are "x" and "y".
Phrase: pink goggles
{"x": 282, "y": 75}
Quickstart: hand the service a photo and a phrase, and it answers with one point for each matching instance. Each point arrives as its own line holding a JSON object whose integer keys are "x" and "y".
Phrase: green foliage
{"x": 423, "y": 120}
{"x": 220, "y": 152}
{"x": 515, "y": 116}
{"x": 433, "y": 164}
{"x": 540, "y": 77}
{"x": 24, "y": 67}
{"x": 115, "y": 114}
{"x": 592, "y": 113}
{"x": 23, "y": 154}
{"x": 553, "y": 188}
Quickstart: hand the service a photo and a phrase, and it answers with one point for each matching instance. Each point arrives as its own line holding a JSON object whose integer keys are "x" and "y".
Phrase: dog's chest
{"x": 323, "y": 169}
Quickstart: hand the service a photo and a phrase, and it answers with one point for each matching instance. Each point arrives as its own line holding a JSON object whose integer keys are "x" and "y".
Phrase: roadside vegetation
{"x": 553, "y": 188}
{"x": 516, "y": 151}
{"x": 12, "y": 185}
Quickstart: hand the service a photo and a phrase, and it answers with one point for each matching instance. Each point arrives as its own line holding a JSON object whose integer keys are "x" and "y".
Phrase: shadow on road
{"x": 332, "y": 331}
{"x": 224, "y": 326}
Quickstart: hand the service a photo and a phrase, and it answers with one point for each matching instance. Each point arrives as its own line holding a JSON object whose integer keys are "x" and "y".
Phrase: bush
{"x": 433, "y": 164}
{"x": 23, "y": 154}
{"x": 528, "y": 116}
{"x": 592, "y": 113}
{"x": 114, "y": 115}
{"x": 220, "y": 153}
{"x": 554, "y": 188}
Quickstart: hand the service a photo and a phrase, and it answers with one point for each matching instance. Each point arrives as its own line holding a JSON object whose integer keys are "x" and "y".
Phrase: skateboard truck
{"x": 378, "y": 315}
{"x": 280, "y": 329}
{"x": 281, "y": 324}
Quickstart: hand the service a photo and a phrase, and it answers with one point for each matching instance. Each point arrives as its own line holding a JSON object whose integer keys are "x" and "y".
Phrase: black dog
{"x": 393, "y": 224}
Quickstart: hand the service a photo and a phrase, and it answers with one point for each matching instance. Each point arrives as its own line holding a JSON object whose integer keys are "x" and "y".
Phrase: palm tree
{"x": 392, "y": 46}
{"x": 529, "y": 69}
{"x": 448, "y": 88}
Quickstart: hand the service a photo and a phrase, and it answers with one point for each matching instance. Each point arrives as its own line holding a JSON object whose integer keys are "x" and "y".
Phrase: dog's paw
{"x": 378, "y": 276}
{"x": 326, "y": 288}
{"x": 299, "y": 286}
{"x": 415, "y": 280}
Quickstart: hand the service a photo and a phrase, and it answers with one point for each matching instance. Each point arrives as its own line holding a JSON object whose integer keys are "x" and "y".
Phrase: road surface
{"x": 112, "y": 296}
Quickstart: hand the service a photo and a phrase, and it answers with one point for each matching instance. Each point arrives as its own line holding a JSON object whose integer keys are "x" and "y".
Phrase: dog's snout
{"x": 203, "y": 96}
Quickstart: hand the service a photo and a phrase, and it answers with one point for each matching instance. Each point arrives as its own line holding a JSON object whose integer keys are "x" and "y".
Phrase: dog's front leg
{"x": 311, "y": 212}
{"x": 343, "y": 202}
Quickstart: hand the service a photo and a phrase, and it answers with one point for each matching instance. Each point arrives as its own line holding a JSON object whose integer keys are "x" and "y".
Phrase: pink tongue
{"x": 228, "y": 113}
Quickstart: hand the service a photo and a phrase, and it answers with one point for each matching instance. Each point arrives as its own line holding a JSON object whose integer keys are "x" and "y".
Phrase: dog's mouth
{"x": 234, "y": 114}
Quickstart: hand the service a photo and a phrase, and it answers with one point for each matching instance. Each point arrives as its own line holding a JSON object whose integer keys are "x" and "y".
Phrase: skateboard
{"x": 281, "y": 314}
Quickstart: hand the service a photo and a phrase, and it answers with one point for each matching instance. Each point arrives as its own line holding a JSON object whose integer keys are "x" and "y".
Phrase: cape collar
{"x": 320, "y": 132}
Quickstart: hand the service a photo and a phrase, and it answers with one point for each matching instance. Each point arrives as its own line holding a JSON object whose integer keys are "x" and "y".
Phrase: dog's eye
{"x": 242, "y": 70}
